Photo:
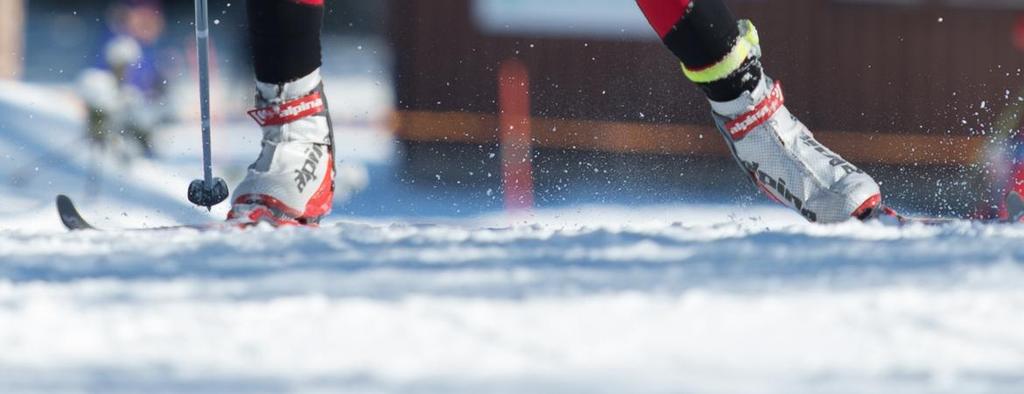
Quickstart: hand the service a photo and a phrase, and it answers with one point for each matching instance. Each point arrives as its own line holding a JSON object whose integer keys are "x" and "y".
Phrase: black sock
{"x": 744, "y": 79}
{"x": 285, "y": 38}
{"x": 705, "y": 35}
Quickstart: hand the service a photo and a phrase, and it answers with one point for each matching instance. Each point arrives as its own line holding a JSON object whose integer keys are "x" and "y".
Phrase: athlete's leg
{"x": 702, "y": 34}
{"x": 722, "y": 56}
{"x": 293, "y": 178}
{"x": 285, "y": 38}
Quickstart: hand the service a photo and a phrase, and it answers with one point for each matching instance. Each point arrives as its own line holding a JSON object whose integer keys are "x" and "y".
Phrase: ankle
{"x": 746, "y": 100}
{"x": 276, "y": 92}
{"x": 737, "y": 71}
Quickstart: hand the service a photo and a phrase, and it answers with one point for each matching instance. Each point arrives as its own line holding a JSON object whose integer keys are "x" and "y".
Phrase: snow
{"x": 687, "y": 297}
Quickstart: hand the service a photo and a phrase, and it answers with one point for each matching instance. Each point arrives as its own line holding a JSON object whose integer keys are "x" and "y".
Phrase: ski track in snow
{"x": 737, "y": 306}
{"x": 584, "y": 299}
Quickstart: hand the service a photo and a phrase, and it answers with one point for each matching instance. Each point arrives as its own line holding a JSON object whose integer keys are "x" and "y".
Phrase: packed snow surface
{"x": 687, "y": 297}
{"x": 737, "y": 305}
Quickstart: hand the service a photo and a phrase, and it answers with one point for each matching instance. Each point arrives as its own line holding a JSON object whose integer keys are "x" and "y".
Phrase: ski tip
{"x": 1014, "y": 207}
{"x": 69, "y": 215}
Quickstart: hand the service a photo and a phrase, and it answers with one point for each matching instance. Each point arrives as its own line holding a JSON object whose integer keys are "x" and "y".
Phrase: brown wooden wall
{"x": 846, "y": 66}
{"x": 12, "y": 36}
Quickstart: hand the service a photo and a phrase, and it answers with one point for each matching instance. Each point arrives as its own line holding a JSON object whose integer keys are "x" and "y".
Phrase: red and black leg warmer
{"x": 701, "y": 33}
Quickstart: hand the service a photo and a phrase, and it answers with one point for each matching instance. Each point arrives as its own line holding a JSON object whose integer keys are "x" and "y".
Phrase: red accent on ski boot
{"x": 257, "y": 214}
{"x": 868, "y": 208}
{"x": 320, "y": 204}
{"x": 290, "y": 111}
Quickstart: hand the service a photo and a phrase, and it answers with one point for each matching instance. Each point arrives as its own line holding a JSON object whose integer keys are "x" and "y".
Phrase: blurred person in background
{"x": 1003, "y": 157}
{"x": 117, "y": 110}
{"x": 124, "y": 92}
{"x": 722, "y": 56}
{"x": 142, "y": 21}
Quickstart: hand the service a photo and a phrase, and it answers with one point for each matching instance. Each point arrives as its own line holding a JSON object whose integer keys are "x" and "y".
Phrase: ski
{"x": 1014, "y": 203}
{"x": 1014, "y": 207}
{"x": 69, "y": 215}
{"x": 74, "y": 221}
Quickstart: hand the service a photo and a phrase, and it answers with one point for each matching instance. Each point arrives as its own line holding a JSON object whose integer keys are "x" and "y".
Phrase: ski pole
{"x": 208, "y": 191}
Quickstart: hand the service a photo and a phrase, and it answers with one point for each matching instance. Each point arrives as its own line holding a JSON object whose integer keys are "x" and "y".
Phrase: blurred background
{"x": 924, "y": 94}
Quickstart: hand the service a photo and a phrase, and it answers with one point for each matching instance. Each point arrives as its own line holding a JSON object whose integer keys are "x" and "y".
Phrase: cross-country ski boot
{"x": 292, "y": 180}
{"x": 781, "y": 155}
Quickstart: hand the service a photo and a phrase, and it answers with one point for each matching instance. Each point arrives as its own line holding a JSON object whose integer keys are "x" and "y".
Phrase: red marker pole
{"x": 515, "y": 139}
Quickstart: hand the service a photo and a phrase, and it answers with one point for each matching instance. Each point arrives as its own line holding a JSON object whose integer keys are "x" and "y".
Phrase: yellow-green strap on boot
{"x": 747, "y": 42}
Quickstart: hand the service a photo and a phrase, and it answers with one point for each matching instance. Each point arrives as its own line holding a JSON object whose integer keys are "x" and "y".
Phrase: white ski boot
{"x": 292, "y": 181}
{"x": 786, "y": 162}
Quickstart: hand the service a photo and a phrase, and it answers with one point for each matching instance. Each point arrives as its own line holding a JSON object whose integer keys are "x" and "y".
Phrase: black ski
{"x": 1014, "y": 207}
{"x": 69, "y": 215}
{"x": 73, "y": 220}
{"x": 1014, "y": 203}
